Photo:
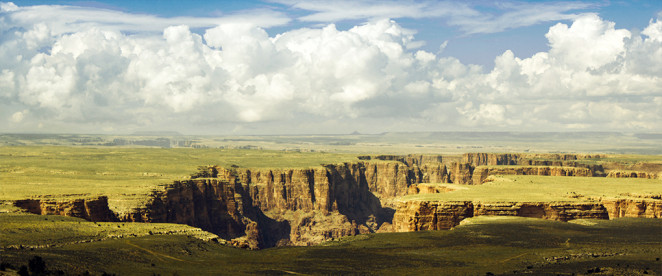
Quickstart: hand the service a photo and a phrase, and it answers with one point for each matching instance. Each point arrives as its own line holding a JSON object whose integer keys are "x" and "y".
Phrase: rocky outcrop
{"x": 260, "y": 208}
{"x": 417, "y": 215}
{"x": 633, "y": 208}
{"x": 430, "y": 215}
{"x": 491, "y": 159}
{"x": 265, "y": 208}
{"x": 633, "y": 174}
{"x": 561, "y": 211}
{"x": 409, "y": 160}
{"x": 504, "y": 159}
{"x": 461, "y": 173}
{"x": 93, "y": 209}
{"x": 425, "y": 188}
{"x": 482, "y": 172}
{"x": 211, "y": 204}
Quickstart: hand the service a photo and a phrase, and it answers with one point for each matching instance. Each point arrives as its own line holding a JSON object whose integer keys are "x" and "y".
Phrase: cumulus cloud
{"x": 371, "y": 78}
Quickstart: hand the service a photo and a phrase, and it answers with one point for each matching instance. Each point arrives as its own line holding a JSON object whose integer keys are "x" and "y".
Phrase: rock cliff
{"x": 260, "y": 208}
{"x": 633, "y": 174}
{"x": 482, "y": 172}
{"x": 631, "y": 208}
{"x": 409, "y": 160}
{"x": 438, "y": 215}
{"x": 430, "y": 215}
{"x": 93, "y": 209}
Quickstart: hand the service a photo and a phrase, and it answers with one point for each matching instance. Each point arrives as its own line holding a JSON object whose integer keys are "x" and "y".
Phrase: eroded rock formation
{"x": 260, "y": 208}
{"x": 93, "y": 209}
{"x": 439, "y": 215}
{"x": 482, "y": 172}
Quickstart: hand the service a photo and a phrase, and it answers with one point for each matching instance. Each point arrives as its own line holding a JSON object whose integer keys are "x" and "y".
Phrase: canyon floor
{"x": 458, "y": 203}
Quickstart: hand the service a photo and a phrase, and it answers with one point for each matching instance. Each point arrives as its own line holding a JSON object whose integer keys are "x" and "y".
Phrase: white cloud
{"x": 68, "y": 19}
{"x": 589, "y": 42}
{"x": 8, "y": 7}
{"x": 515, "y": 15}
{"x": 18, "y": 116}
{"x": 325, "y": 11}
{"x": 470, "y": 17}
{"x": 237, "y": 76}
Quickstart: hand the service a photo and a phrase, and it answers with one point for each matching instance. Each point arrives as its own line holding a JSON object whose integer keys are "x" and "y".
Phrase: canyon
{"x": 262, "y": 208}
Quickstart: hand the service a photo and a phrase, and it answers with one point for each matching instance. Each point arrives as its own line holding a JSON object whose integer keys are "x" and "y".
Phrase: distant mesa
{"x": 157, "y": 133}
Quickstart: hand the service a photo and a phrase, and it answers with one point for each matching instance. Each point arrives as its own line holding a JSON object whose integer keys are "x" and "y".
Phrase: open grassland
{"x": 499, "y": 245}
{"x": 126, "y": 173}
{"x": 385, "y": 143}
{"x": 528, "y": 188}
{"x": 30, "y": 231}
{"x": 626, "y": 159}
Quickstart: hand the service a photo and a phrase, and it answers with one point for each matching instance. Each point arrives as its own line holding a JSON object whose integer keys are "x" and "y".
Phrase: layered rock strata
{"x": 439, "y": 215}
{"x": 92, "y": 209}
{"x": 482, "y": 172}
{"x": 259, "y": 208}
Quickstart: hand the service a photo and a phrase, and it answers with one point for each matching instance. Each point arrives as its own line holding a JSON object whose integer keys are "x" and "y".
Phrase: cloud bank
{"x": 90, "y": 75}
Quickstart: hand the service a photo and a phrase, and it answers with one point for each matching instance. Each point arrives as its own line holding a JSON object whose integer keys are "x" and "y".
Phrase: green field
{"x": 126, "y": 174}
{"x": 33, "y": 231}
{"x": 529, "y": 188}
{"x": 499, "y": 245}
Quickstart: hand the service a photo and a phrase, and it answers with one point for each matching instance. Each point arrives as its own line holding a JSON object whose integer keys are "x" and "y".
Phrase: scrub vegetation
{"x": 482, "y": 245}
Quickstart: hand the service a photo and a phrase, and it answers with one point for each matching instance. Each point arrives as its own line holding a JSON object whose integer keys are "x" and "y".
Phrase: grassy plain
{"x": 126, "y": 174}
{"x": 499, "y": 245}
{"x": 384, "y": 143}
{"x": 483, "y": 244}
{"x": 530, "y": 188}
{"x": 30, "y": 231}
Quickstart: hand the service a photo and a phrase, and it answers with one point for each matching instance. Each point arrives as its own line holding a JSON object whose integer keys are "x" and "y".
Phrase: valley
{"x": 266, "y": 199}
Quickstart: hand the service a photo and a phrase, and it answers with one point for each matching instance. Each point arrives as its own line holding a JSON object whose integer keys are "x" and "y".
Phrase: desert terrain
{"x": 79, "y": 204}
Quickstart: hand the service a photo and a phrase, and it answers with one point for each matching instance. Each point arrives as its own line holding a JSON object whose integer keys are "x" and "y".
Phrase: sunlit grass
{"x": 526, "y": 188}
{"x": 27, "y": 230}
{"x": 483, "y": 244}
{"x": 127, "y": 174}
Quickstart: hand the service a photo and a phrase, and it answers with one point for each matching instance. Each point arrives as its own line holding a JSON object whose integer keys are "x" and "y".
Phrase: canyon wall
{"x": 260, "y": 208}
{"x": 92, "y": 209}
{"x": 633, "y": 174}
{"x": 419, "y": 215}
{"x": 481, "y": 173}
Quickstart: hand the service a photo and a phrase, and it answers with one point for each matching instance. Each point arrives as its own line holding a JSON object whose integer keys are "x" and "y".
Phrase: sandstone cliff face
{"x": 424, "y": 188}
{"x": 482, "y": 172}
{"x": 273, "y": 207}
{"x": 430, "y": 215}
{"x": 95, "y": 209}
{"x": 561, "y": 211}
{"x": 409, "y": 160}
{"x": 490, "y": 159}
{"x": 388, "y": 179}
{"x": 213, "y": 205}
{"x": 633, "y": 174}
{"x": 629, "y": 208}
{"x": 260, "y": 208}
{"x": 434, "y": 215}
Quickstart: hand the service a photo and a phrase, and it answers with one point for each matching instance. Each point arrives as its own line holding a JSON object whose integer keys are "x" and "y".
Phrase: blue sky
{"x": 475, "y": 49}
{"x": 295, "y": 66}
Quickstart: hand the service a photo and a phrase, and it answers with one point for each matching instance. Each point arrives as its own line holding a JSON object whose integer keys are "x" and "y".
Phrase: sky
{"x": 330, "y": 67}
